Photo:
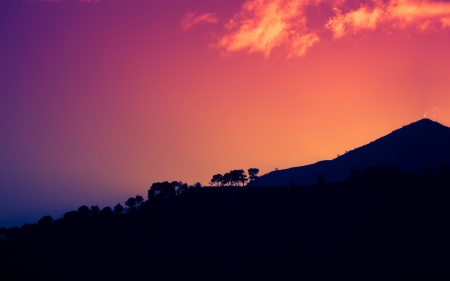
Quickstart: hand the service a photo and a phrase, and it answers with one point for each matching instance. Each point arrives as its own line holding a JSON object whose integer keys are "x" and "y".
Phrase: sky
{"x": 99, "y": 99}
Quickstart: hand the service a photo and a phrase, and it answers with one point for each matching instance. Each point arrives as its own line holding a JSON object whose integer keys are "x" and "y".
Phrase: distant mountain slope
{"x": 413, "y": 148}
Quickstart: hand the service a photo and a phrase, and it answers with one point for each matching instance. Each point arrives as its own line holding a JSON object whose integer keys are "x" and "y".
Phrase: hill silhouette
{"x": 413, "y": 148}
{"x": 383, "y": 223}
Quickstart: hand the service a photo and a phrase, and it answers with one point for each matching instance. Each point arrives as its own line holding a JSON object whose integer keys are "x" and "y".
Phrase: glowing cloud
{"x": 394, "y": 14}
{"x": 192, "y": 19}
{"x": 356, "y": 21}
{"x": 262, "y": 25}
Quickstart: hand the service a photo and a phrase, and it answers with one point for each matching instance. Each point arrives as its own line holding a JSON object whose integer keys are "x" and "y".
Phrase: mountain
{"x": 413, "y": 148}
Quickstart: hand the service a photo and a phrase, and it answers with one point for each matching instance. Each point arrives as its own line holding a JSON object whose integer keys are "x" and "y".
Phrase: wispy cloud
{"x": 263, "y": 25}
{"x": 395, "y": 14}
{"x": 192, "y": 19}
{"x": 433, "y": 113}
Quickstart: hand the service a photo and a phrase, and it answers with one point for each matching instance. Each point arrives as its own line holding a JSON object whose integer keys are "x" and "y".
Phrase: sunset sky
{"x": 101, "y": 98}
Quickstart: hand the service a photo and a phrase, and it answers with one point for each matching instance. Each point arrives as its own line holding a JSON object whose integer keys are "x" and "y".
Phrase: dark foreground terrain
{"x": 381, "y": 224}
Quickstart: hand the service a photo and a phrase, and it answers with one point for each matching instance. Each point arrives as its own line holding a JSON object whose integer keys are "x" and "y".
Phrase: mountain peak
{"x": 422, "y": 127}
{"x": 425, "y": 121}
{"x": 414, "y": 148}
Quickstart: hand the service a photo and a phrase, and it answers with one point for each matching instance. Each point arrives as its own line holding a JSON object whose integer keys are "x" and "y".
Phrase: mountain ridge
{"x": 413, "y": 147}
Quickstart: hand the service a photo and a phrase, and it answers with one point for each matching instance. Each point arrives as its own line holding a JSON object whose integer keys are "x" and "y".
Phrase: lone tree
{"x": 216, "y": 180}
{"x": 252, "y": 174}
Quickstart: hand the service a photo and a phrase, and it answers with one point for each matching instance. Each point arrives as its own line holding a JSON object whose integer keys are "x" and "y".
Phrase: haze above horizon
{"x": 99, "y": 99}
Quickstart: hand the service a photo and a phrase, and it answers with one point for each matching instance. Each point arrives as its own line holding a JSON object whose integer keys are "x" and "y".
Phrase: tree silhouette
{"x": 71, "y": 215}
{"x": 252, "y": 174}
{"x": 238, "y": 176}
{"x": 226, "y": 179}
{"x": 131, "y": 203}
{"x": 95, "y": 210}
{"x": 45, "y": 220}
{"x": 162, "y": 190}
{"x": 118, "y": 209}
{"x": 216, "y": 180}
{"x": 84, "y": 211}
{"x": 139, "y": 200}
{"x": 106, "y": 211}
{"x": 179, "y": 187}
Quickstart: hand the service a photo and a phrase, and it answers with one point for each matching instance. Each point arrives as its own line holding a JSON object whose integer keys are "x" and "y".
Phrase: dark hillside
{"x": 413, "y": 148}
{"x": 382, "y": 224}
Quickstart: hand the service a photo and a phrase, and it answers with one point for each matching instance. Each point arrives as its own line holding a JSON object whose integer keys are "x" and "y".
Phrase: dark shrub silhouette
{"x": 95, "y": 210}
{"x": 106, "y": 211}
{"x": 179, "y": 187}
{"x": 84, "y": 211}
{"x": 118, "y": 209}
{"x": 162, "y": 190}
{"x": 46, "y": 220}
{"x": 197, "y": 185}
{"x": 131, "y": 203}
{"x": 139, "y": 200}
{"x": 71, "y": 215}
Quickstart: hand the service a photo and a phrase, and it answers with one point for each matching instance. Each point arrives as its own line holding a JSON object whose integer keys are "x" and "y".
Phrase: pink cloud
{"x": 192, "y": 19}
{"x": 398, "y": 14}
{"x": 263, "y": 25}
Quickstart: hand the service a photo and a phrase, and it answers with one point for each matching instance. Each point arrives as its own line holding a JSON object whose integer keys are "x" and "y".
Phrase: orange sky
{"x": 100, "y": 100}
